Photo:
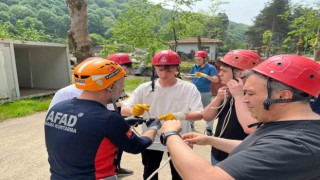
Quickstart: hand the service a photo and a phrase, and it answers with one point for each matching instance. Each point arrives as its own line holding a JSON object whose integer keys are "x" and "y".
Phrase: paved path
{"x": 23, "y": 154}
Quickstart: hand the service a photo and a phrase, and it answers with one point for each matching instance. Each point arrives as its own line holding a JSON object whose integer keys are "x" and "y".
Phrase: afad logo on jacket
{"x": 62, "y": 121}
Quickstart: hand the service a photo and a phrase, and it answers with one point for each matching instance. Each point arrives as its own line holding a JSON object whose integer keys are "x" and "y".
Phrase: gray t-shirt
{"x": 277, "y": 150}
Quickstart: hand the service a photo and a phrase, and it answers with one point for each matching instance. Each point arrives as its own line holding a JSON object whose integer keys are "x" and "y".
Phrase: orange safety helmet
{"x": 166, "y": 57}
{"x": 92, "y": 58}
{"x": 202, "y": 54}
{"x": 97, "y": 74}
{"x": 120, "y": 58}
{"x": 242, "y": 59}
{"x": 296, "y": 71}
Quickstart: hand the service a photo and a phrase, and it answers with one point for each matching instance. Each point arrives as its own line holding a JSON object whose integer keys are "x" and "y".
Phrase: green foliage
{"x": 303, "y": 27}
{"x": 137, "y": 23}
{"x": 108, "y": 49}
{"x": 270, "y": 19}
{"x": 137, "y": 28}
{"x": 49, "y": 20}
{"x": 266, "y": 37}
{"x": 4, "y": 30}
{"x": 18, "y": 12}
{"x": 29, "y": 34}
{"x": 236, "y": 37}
{"x": 97, "y": 39}
{"x": 23, "y": 107}
{"x": 4, "y": 7}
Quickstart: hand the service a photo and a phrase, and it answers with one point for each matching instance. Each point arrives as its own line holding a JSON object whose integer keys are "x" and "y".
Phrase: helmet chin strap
{"x": 267, "y": 103}
{"x": 114, "y": 100}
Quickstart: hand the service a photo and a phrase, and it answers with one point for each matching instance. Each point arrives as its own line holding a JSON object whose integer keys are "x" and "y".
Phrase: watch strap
{"x": 164, "y": 136}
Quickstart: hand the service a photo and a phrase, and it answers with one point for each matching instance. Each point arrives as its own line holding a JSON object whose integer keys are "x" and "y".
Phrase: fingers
{"x": 143, "y": 106}
{"x": 167, "y": 117}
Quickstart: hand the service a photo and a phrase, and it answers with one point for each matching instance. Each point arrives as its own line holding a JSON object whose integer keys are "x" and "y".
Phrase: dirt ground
{"x": 23, "y": 153}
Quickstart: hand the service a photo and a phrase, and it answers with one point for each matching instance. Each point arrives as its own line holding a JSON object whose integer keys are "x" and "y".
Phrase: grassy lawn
{"x": 29, "y": 106}
{"x": 23, "y": 107}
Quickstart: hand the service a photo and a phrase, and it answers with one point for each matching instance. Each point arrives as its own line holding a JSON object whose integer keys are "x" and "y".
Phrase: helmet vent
{"x": 84, "y": 77}
{"x": 236, "y": 57}
{"x": 76, "y": 75}
{"x": 279, "y": 63}
{"x": 312, "y": 76}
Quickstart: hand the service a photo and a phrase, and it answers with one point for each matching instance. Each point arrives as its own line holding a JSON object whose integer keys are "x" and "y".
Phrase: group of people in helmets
{"x": 266, "y": 128}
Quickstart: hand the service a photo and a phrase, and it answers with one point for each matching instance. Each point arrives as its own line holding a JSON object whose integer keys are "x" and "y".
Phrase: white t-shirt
{"x": 181, "y": 97}
{"x": 65, "y": 93}
{"x": 70, "y": 92}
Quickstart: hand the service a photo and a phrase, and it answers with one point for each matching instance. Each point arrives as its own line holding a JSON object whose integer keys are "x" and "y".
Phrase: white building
{"x": 187, "y": 47}
{"x": 30, "y": 69}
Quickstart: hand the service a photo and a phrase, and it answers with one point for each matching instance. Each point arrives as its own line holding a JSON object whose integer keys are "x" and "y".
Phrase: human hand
{"x": 199, "y": 74}
{"x": 195, "y": 138}
{"x": 134, "y": 121}
{"x": 154, "y": 124}
{"x": 171, "y": 126}
{"x": 173, "y": 116}
{"x": 222, "y": 93}
{"x": 138, "y": 109}
{"x": 235, "y": 87}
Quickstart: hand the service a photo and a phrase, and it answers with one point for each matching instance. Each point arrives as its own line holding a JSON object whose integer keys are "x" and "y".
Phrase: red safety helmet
{"x": 202, "y": 54}
{"x": 296, "y": 71}
{"x": 242, "y": 59}
{"x": 166, "y": 57}
{"x": 120, "y": 58}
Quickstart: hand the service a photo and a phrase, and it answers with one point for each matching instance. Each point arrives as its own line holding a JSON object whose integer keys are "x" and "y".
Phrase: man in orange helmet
{"x": 159, "y": 98}
{"x": 82, "y": 136}
{"x": 233, "y": 116}
{"x": 286, "y": 143}
{"x": 71, "y": 91}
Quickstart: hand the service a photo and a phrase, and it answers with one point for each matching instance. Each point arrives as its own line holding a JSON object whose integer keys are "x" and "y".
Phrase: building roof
{"x": 195, "y": 40}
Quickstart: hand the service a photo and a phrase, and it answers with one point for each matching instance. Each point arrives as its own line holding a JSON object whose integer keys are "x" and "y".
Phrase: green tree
{"x": 303, "y": 27}
{"x": 137, "y": 28}
{"x": 78, "y": 34}
{"x": 30, "y": 22}
{"x": 4, "y": 7}
{"x": 29, "y": 34}
{"x": 270, "y": 19}
{"x": 49, "y": 20}
{"x": 4, "y": 17}
{"x": 95, "y": 25}
{"x": 10, "y": 2}
{"x": 63, "y": 26}
{"x": 97, "y": 39}
{"x": 5, "y": 30}
{"x": 18, "y": 12}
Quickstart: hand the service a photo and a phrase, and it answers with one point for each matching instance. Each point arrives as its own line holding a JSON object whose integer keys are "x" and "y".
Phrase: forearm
{"x": 193, "y": 116}
{"x": 225, "y": 145}
{"x": 211, "y": 110}
{"x": 151, "y": 133}
{"x": 213, "y": 79}
{"x": 126, "y": 111}
{"x": 189, "y": 164}
{"x": 244, "y": 116}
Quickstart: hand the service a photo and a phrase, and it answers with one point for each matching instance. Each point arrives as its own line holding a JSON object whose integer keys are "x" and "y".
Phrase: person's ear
{"x": 284, "y": 94}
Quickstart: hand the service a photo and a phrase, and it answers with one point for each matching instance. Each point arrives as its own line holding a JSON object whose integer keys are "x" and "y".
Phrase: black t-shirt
{"x": 233, "y": 129}
{"x": 277, "y": 150}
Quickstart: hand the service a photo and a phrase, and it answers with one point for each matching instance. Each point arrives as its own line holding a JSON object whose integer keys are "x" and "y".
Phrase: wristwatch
{"x": 164, "y": 136}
